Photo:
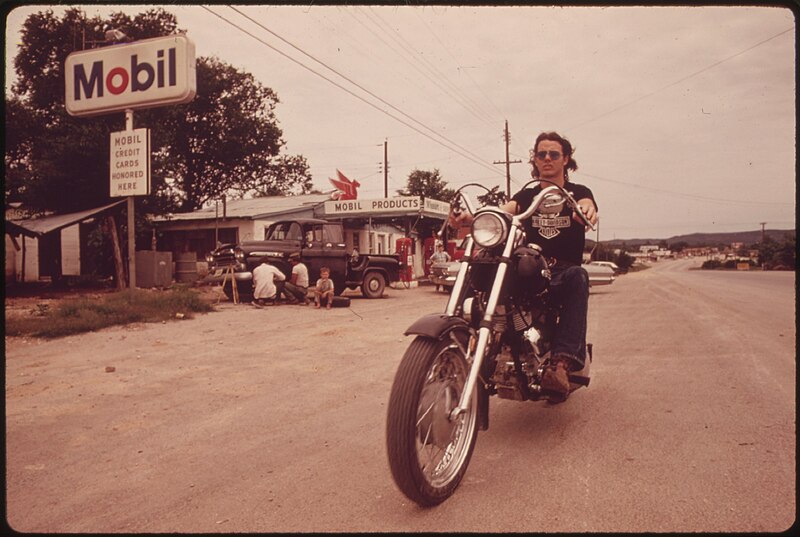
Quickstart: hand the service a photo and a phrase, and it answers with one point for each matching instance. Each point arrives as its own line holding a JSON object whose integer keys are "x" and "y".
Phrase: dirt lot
{"x": 273, "y": 420}
{"x": 219, "y": 423}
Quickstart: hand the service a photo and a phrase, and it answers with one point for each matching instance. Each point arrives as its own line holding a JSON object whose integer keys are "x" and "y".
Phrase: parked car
{"x": 444, "y": 273}
{"x": 599, "y": 274}
{"x": 610, "y": 264}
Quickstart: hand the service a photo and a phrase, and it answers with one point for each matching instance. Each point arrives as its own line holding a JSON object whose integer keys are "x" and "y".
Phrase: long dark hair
{"x": 566, "y": 150}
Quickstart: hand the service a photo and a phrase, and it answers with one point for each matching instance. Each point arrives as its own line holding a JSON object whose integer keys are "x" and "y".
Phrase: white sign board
{"x": 401, "y": 204}
{"x": 130, "y": 163}
{"x": 142, "y": 74}
{"x": 436, "y": 206}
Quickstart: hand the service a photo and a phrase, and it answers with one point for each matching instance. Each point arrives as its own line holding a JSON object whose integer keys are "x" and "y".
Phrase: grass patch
{"x": 80, "y": 315}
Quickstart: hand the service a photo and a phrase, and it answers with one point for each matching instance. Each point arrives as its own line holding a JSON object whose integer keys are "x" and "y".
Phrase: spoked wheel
{"x": 428, "y": 452}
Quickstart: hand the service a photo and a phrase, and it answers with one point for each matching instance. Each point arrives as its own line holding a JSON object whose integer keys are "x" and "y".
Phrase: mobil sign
{"x": 143, "y": 74}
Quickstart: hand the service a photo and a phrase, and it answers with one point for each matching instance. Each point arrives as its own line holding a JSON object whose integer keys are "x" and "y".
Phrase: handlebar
{"x": 456, "y": 208}
{"x": 548, "y": 193}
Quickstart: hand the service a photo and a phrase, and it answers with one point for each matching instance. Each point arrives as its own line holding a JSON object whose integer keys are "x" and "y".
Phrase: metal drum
{"x": 186, "y": 267}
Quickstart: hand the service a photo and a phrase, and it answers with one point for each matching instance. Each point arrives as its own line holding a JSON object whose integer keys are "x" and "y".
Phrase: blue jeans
{"x": 569, "y": 290}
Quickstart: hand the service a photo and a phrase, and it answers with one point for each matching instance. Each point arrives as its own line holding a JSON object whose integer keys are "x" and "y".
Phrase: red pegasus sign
{"x": 345, "y": 188}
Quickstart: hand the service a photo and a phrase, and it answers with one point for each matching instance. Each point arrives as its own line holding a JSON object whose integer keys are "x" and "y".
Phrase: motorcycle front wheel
{"x": 428, "y": 452}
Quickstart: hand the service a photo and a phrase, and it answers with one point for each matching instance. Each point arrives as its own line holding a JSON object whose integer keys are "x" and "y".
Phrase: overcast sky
{"x": 683, "y": 118}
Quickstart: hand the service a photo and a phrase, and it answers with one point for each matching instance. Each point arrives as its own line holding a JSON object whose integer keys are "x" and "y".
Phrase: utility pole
{"x": 507, "y": 162}
{"x": 385, "y": 168}
{"x": 762, "y": 231}
{"x": 131, "y": 220}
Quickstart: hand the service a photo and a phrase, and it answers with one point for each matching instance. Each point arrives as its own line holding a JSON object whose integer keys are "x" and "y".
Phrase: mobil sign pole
{"x": 128, "y": 77}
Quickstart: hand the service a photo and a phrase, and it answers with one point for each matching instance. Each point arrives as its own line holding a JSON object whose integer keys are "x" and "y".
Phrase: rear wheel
{"x": 428, "y": 451}
{"x": 373, "y": 285}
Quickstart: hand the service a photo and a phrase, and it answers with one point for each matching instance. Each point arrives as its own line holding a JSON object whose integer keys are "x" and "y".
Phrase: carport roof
{"x": 36, "y": 227}
{"x": 251, "y": 208}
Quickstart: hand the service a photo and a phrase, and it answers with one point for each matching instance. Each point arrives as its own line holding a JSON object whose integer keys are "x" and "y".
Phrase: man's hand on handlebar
{"x": 457, "y": 219}
{"x": 589, "y": 211}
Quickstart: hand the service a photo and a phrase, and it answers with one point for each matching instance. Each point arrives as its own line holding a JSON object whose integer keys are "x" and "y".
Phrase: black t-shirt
{"x": 559, "y": 235}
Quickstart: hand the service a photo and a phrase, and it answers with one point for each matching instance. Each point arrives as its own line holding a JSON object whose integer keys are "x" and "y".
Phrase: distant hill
{"x": 708, "y": 239}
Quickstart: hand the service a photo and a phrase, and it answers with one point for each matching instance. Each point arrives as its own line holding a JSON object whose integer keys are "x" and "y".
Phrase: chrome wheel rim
{"x": 443, "y": 445}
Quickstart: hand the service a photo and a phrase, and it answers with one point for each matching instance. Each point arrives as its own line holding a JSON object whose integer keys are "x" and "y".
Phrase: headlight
{"x": 489, "y": 230}
{"x": 239, "y": 255}
{"x": 209, "y": 258}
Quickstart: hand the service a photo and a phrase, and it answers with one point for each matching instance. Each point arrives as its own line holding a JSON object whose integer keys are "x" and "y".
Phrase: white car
{"x": 599, "y": 274}
{"x": 610, "y": 264}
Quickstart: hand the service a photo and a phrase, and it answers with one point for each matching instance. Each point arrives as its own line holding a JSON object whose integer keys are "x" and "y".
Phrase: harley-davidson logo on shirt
{"x": 549, "y": 226}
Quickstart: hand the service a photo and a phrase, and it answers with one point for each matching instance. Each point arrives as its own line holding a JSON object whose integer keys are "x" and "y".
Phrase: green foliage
{"x": 678, "y": 246}
{"x": 226, "y": 141}
{"x": 495, "y": 197}
{"x": 772, "y": 253}
{"x": 88, "y": 314}
{"x": 714, "y": 264}
{"x": 603, "y": 252}
{"x": 624, "y": 261}
{"x": 428, "y": 185}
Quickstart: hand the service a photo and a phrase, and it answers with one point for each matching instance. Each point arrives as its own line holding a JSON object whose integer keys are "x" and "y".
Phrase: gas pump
{"x": 428, "y": 247}
{"x": 405, "y": 250}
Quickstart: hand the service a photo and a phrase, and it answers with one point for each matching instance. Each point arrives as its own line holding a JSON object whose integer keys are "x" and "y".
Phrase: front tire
{"x": 373, "y": 285}
{"x": 429, "y": 453}
{"x": 244, "y": 290}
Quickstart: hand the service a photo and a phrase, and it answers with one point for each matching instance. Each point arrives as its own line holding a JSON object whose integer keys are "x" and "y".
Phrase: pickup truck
{"x": 320, "y": 244}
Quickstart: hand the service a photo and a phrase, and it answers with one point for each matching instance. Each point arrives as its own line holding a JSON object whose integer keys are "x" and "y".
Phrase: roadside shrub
{"x": 711, "y": 264}
{"x": 89, "y": 314}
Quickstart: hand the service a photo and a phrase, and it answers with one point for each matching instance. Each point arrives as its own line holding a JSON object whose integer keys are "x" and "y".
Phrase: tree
{"x": 624, "y": 261}
{"x": 232, "y": 121}
{"x": 226, "y": 141}
{"x": 494, "y": 196}
{"x": 772, "y": 253}
{"x": 678, "y": 246}
{"x": 428, "y": 185}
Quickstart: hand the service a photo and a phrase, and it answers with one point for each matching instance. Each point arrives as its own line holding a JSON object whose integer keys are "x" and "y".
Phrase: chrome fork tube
{"x": 485, "y": 331}
{"x": 455, "y": 294}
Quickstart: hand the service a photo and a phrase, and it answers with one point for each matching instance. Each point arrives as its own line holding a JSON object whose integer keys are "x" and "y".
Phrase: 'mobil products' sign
{"x": 143, "y": 74}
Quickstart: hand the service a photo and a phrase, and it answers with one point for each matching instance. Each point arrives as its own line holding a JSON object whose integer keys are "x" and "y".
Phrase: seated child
{"x": 323, "y": 292}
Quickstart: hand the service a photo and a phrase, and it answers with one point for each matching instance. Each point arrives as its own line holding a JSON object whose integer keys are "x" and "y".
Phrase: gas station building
{"x": 377, "y": 226}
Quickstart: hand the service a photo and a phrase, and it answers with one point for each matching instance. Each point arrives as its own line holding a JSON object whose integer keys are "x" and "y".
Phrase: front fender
{"x": 436, "y": 325}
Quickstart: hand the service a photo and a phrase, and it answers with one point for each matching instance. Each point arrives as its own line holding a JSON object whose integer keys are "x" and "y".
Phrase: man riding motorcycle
{"x": 561, "y": 236}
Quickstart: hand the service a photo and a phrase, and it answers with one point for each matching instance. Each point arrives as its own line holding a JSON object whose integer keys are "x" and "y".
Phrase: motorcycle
{"x": 493, "y": 338}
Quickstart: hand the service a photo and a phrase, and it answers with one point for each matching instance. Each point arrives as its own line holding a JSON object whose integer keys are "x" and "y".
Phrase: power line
{"x": 687, "y": 77}
{"x": 684, "y": 194}
{"x": 467, "y": 155}
{"x": 460, "y": 68}
{"x": 459, "y": 96}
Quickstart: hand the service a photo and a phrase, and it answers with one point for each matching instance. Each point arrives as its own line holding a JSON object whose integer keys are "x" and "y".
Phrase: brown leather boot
{"x": 556, "y": 378}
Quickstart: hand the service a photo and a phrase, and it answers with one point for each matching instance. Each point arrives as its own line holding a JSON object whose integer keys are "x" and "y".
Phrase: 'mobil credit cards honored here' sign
{"x": 130, "y": 163}
{"x": 143, "y": 74}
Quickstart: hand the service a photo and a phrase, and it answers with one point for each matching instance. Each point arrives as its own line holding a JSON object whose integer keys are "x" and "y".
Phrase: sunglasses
{"x": 554, "y": 155}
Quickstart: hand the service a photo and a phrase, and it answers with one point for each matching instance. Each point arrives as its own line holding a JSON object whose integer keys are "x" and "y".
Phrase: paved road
{"x": 273, "y": 420}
